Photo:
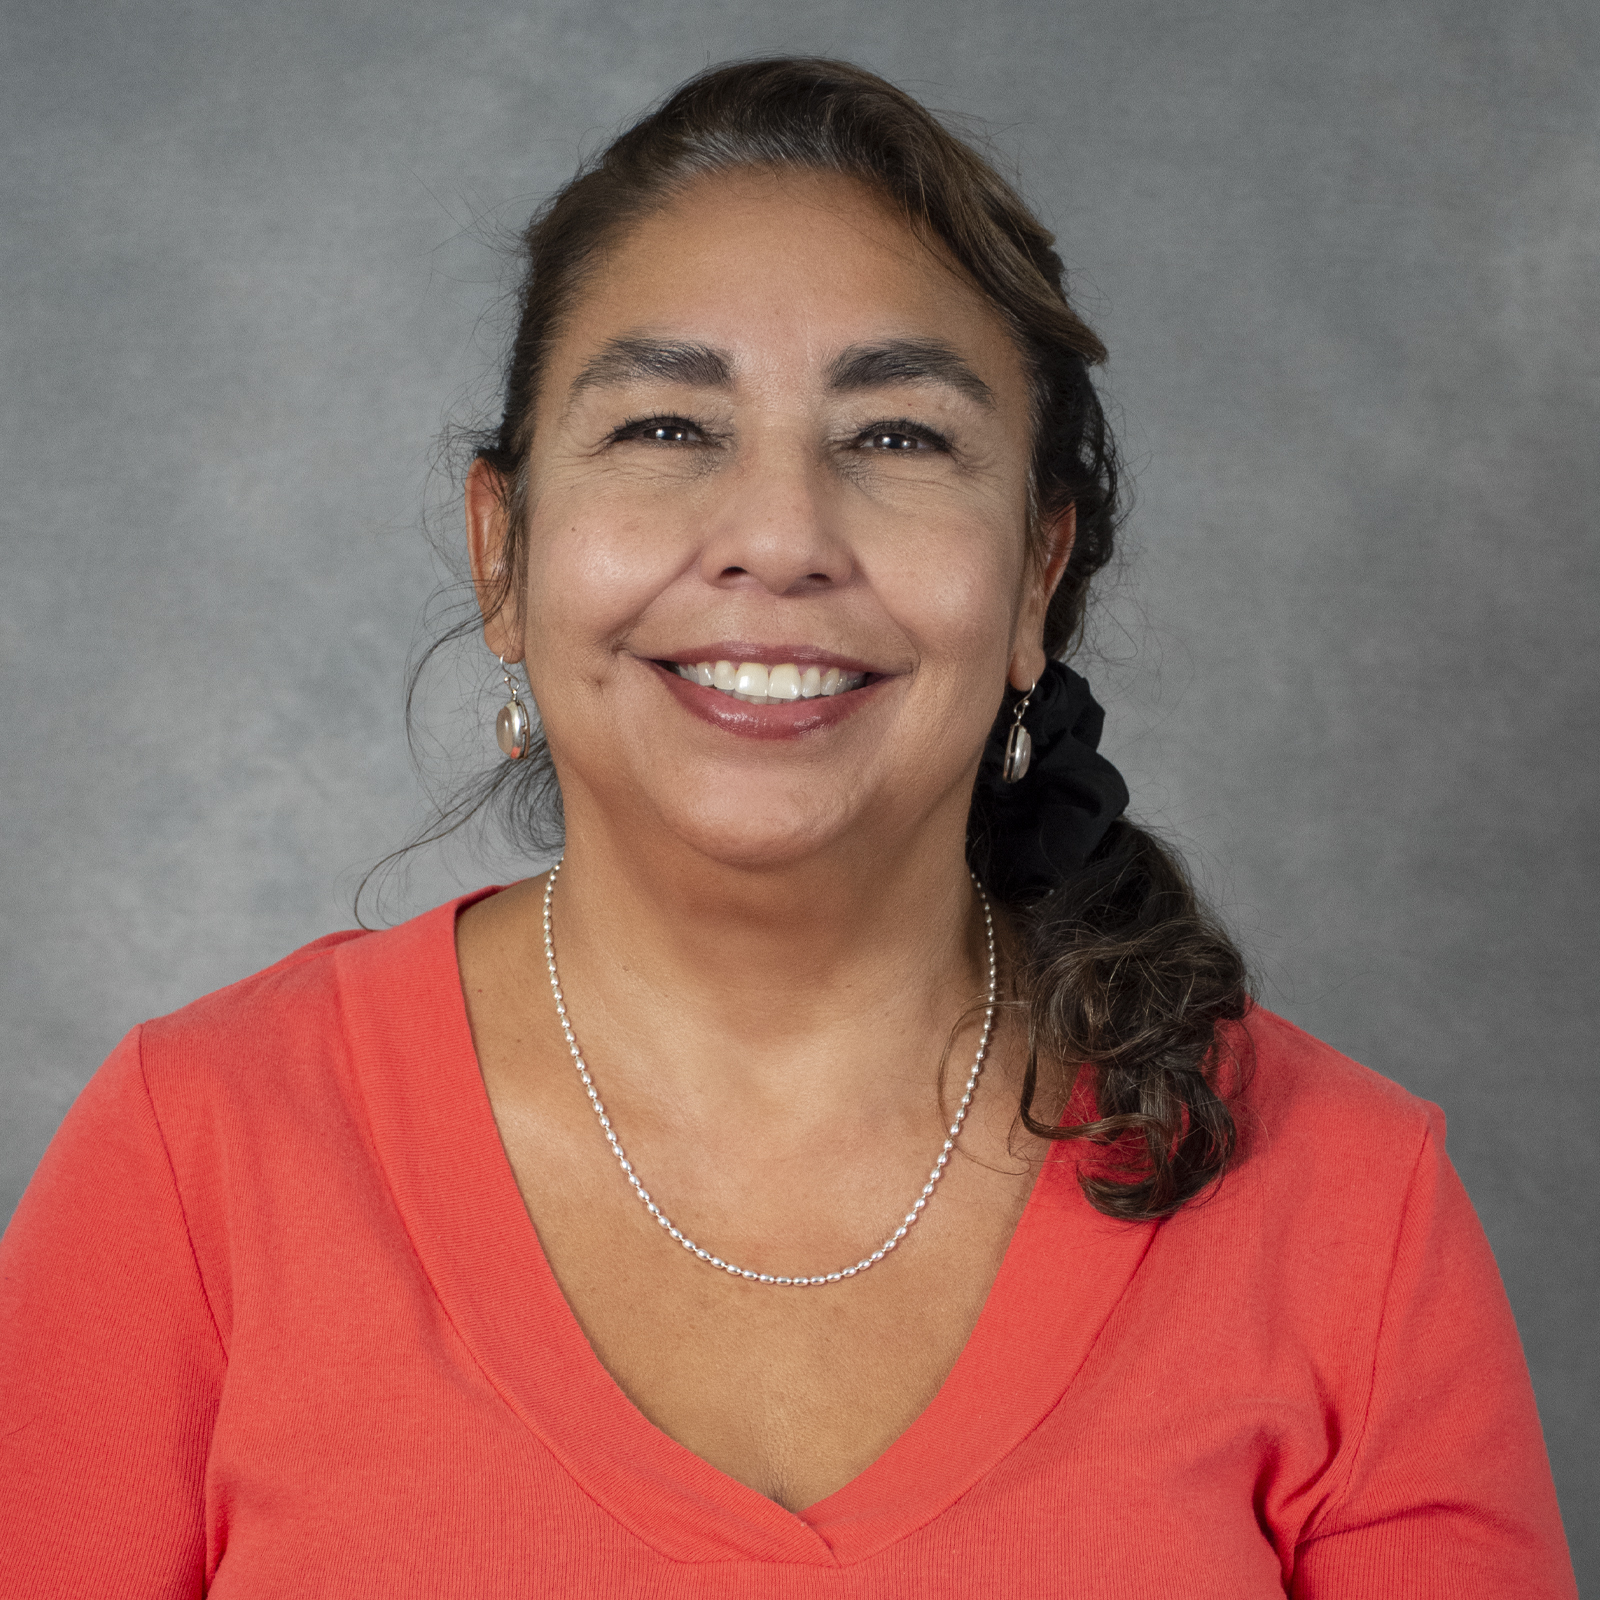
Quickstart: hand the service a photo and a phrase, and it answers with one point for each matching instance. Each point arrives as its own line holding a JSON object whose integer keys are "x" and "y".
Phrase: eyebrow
{"x": 633, "y": 357}
{"x": 876, "y": 366}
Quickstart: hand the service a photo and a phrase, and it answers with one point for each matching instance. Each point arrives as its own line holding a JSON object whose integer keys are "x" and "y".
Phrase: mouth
{"x": 794, "y": 692}
{"x": 758, "y": 683}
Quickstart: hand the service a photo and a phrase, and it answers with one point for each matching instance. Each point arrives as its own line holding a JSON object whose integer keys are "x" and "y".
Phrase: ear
{"x": 1027, "y": 655}
{"x": 486, "y": 549}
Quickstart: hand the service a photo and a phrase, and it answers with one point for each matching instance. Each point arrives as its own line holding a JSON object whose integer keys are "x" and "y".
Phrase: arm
{"x": 1450, "y": 1489}
{"x": 110, "y": 1362}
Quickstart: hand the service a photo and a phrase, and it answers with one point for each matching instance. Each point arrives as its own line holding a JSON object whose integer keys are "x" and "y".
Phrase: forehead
{"x": 785, "y": 267}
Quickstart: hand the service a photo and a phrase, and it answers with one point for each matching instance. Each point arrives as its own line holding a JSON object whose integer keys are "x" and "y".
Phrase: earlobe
{"x": 1027, "y": 667}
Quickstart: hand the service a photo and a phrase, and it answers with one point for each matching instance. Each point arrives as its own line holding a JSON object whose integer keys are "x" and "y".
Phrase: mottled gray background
{"x": 1344, "y": 254}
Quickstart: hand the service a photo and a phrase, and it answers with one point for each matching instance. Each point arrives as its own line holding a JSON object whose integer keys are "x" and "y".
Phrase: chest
{"x": 449, "y": 1419}
{"x": 792, "y": 1391}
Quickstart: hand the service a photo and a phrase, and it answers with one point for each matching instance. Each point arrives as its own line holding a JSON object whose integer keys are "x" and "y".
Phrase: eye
{"x": 659, "y": 430}
{"x": 900, "y": 438}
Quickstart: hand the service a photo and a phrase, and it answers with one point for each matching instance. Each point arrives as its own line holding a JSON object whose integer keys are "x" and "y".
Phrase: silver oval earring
{"x": 1019, "y": 746}
{"x": 513, "y": 728}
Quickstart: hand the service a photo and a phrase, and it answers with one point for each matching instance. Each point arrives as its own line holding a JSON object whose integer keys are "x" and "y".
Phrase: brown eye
{"x": 660, "y": 430}
{"x": 902, "y": 438}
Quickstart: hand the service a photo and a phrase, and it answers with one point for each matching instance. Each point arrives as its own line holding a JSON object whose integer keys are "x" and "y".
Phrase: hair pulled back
{"x": 1123, "y": 974}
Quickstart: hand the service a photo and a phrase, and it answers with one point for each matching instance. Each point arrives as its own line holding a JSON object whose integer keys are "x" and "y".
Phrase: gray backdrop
{"x": 1344, "y": 254}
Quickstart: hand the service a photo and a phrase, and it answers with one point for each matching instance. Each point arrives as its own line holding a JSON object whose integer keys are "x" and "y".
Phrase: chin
{"x": 754, "y": 837}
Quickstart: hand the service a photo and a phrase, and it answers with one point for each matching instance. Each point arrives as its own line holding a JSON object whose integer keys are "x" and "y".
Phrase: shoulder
{"x": 1287, "y": 1073}
{"x": 297, "y": 988}
{"x": 291, "y": 1031}
{"x": 291, "y": 1009}
{"x": 1300, "y": 1237}
{"x": 1316, "y": 1128}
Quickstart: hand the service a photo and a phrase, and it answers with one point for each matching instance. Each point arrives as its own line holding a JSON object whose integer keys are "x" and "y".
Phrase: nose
{"x": 776, "y": 528}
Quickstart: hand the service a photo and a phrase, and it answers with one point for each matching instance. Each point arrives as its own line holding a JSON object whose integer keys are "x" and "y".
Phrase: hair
{"x": 1122, "y": 972}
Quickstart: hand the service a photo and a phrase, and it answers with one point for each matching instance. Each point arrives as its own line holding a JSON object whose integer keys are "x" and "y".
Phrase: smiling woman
{"x": 625, "y": 1230}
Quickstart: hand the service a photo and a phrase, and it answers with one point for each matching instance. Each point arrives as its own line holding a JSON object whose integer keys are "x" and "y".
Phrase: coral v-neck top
{"x": 275, "y": 1322}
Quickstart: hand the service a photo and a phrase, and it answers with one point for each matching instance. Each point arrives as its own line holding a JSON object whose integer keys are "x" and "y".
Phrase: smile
{"x": 760, "y": 685}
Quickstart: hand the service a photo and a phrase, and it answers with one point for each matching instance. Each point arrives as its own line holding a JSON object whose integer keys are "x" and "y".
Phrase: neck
{"x": 774, "y": 986}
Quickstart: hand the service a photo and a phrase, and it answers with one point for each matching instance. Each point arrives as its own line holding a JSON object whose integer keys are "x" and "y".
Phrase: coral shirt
{"x": 275, "y": 1323}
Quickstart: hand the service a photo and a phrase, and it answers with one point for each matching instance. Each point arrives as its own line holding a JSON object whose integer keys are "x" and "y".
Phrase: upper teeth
{"x": 760, "y": 685}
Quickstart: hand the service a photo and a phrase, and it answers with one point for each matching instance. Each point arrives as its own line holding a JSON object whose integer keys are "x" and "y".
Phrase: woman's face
{"x": 780, "y": 433}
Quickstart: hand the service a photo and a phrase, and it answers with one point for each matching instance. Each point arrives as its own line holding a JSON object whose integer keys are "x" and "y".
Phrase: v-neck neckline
{"x": 436, "y": 1138}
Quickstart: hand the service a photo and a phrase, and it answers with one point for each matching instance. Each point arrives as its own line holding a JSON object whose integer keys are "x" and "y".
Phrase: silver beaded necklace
{"x": 698, "y": 1251}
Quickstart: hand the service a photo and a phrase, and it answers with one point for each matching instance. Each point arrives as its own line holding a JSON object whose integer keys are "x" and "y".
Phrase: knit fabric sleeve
{"x": 110, "y": 1361}
{"x": 1450, "y": 1491}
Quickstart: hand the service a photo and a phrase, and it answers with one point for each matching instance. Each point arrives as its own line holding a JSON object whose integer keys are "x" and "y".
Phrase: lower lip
{"x": 783, "y": 719}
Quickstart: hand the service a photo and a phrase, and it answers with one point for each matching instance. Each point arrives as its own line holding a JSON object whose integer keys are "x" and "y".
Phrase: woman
{"x": 919, "y": 1205}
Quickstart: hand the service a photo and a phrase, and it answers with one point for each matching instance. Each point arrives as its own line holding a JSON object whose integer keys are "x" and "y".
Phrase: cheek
{"x": 955, "y": 592}
{"x": 593, "y": 567}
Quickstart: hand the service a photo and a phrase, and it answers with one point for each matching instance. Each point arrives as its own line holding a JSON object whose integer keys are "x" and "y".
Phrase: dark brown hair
{"x": 1122, "y": 971}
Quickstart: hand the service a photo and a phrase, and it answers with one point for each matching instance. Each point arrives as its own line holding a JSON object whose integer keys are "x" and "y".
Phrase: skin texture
{"x": 767, "y": 945}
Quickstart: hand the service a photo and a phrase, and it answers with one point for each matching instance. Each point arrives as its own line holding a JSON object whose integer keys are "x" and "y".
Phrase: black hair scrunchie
{"x": 1025, "y": 839}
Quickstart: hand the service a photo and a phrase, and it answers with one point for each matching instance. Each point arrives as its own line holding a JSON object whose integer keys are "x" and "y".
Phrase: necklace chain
{"x": 698, "y": 1251}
